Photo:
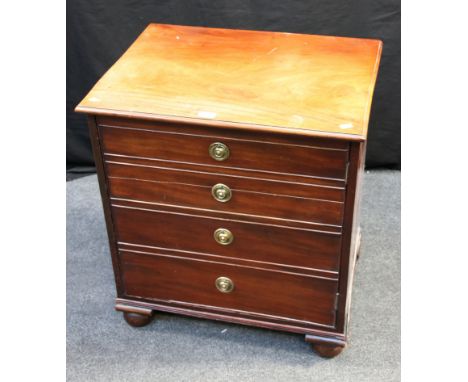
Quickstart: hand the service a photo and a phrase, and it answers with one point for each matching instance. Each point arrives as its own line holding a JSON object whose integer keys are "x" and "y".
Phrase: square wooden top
{"x": 314, "y": 85}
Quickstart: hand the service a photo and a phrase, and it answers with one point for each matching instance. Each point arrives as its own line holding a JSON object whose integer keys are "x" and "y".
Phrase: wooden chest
{"x": 230, "y": 165}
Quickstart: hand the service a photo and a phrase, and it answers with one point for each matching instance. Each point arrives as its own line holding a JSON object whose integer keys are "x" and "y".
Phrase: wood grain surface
{"x": 292, "y": 110}
{"x": 266, "y": 79}
{"x": 179, "y": 192}
{"x": 252, "y": 241}
{"x": 168, "y": 278}
{"x": 267, "y": 157}
{"x": 147, "y": 170}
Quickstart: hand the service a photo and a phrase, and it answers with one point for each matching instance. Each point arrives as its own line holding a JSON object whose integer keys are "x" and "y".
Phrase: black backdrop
{"x": 99, "y": 31}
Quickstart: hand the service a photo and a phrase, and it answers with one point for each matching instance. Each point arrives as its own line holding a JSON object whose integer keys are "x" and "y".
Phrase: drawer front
{"x": 147, "y": 170}
{"x": 294, "y": 247}
{"x": 176, "y": 188}
{"x": 271, "y": 157}
{"x": 277, "y": 294}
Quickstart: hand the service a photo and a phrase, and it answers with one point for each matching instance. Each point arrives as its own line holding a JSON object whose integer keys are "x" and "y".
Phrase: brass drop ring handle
{"x": 224, "y": 284}
{"x": 221, "y": 192}
{"x": 223, "y": 236}
{"x": 219, "y": 151}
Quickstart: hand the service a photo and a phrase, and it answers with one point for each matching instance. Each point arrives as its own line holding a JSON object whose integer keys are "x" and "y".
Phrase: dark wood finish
{"x": 103, "y": 187}
{"x": 128, "y": 168}
{"x": 164, "y": 278}
{"x": 130, "y": 308}
{"x": 292, "y": 179}
{"x": 242, "y": 201}
{"x": 327, "y": 345}
{"x": 263, "y": 243}
{"x": 259, "y": 135}
{"x": 267, "y": 157}
{"x": 349, "y": 235}
{"x": 136, "y": 319}
{"x": 240, "y": 262}
{"x": 228, "y": 315}
{"x": 295, "y": 121}
{"x": 324, "y": 338}
{"x": 242, "y": 218}
{"x": 327, "y": 351}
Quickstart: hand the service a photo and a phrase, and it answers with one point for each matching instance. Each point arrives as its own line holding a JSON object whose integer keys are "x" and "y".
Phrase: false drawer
{"x": 210, "y": 284}
{"x": 236, "y": 239}
{"x": 311, "y": 159}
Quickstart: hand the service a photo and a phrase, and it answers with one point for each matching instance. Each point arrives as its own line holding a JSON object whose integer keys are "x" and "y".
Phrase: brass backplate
{"x": 219, "y": 151}
{"x": 221, "y": 192}
{"x": 224, "y": 284}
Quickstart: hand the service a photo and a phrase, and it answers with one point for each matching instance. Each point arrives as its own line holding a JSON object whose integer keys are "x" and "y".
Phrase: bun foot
{"x": 136, "y": 319}
{"x": 327, "y": 346}
{"x": 327, "y": 351}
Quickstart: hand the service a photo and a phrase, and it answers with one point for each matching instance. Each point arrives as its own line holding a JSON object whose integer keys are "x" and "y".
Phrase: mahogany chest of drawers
{"x": 230, "y": 167}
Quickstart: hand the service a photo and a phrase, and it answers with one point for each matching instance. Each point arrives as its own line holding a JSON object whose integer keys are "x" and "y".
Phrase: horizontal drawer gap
{"x": 220, "y": 218}
{"x": 228, "y": 263}
{"x": 327, "y": 275}
{"x": 221, "y": 138}
{"x": 233, "y": 189}
{"x": 206, "y": 169}
{"x": 220, "y": 173}
{"x": 219, "y": 166}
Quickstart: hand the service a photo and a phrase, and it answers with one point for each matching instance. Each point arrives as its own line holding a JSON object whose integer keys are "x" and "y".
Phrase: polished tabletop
{"x": 265, "y": 80}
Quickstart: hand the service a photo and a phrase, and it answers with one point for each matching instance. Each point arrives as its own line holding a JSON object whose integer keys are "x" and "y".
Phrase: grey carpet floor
{"x": 102, "y": 347}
